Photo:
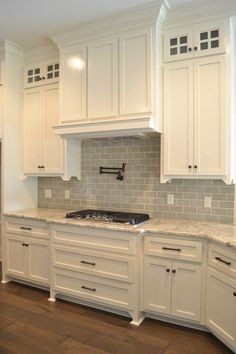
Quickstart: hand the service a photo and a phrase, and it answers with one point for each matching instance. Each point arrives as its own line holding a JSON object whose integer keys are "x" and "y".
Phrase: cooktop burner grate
{"x": 112, "y": 216}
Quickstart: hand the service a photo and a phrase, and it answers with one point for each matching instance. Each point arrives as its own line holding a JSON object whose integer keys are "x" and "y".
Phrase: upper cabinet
{"x": 108, "y": 78}
{"x": 111, "y": 75}
{"x": 202, "y": 40}
{"x": 41, "y": 74}
{"x": 198, "y": 139}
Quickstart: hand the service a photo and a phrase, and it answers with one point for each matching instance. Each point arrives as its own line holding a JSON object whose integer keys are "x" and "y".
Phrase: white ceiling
{"x": 28, "y": 22}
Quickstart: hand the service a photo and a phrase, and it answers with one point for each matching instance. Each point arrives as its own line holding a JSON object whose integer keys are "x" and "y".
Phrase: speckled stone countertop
{"x": 221, "y": 233}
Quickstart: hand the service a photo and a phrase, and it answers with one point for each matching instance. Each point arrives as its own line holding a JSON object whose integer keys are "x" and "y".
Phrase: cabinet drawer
{"x": 104, "y": 240}
{"x": 26, "y": 227}
{"x": 222, "y": 259}
{"x": 174, "y": 249}
{"x": 101, "y": 264}
{"x": 92, "y": 288}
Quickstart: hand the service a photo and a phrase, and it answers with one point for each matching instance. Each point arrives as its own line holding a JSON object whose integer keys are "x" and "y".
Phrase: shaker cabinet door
{"x": 178, "y": 122}
{"x": 102, "y": 79}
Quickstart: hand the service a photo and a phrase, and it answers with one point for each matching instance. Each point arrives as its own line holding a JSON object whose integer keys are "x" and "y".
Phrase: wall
{"x": 141, "y": 189}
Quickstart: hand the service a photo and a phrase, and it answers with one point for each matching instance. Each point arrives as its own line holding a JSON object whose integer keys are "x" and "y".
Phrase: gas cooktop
{"x": 110, "y": 216}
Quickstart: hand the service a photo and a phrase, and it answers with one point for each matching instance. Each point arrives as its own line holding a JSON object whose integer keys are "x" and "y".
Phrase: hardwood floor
{"x": 30, "y": 324}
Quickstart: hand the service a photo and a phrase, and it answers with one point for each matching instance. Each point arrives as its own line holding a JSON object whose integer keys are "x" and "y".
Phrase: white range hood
{"x": 115, "y": 128}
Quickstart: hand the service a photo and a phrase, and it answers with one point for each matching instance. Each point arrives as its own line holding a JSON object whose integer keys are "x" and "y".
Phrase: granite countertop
{"x": 221, "y": 233}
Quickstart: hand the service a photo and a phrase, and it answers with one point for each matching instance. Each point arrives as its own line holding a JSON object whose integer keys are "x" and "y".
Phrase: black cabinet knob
{"x": 174, "y": 271}
{"x": 195, "y": 48}
{"x": 168, "y": 270}
{"x": 195, "y": 166}
{"x": 189, "y": 49}
{"x": 189, "y": 166}
{"x": 234, "y": 293}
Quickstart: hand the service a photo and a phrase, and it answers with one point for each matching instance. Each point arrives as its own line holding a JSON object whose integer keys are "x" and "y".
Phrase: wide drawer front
{"x": 174, "y": 249}
{"x": 102, "y": 264}
{"x": 110, "y": 241}
{"x": 93, "y": 289}
{"x": 27, "y": 227}
{"x": 222, "y": 259}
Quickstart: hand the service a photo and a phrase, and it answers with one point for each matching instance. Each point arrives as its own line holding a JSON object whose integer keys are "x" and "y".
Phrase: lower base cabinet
{"x": 172, "y": 288}
{"x": 221, "y": 306}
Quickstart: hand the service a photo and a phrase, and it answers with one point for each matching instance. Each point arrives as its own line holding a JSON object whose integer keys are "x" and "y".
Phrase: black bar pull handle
{"x": 171, "y": 249}
{"x": 86, "y": 288}
{"x": 90, "y": 263}
{"x": 223, "y": 261}
{"x": 26, "y": 228}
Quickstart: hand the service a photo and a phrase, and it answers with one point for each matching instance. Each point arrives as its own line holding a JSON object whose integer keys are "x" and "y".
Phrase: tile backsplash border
{"x": 141, "y": 190}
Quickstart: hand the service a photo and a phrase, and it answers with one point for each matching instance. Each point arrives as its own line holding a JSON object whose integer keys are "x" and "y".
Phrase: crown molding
{"x": 154, "y": 13}
{"x": 204, "y": 10}
{"x": 40, "y": 53}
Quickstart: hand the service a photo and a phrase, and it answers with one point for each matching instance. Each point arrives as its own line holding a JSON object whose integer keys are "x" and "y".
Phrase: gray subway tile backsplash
{"x": 141, "y": 190}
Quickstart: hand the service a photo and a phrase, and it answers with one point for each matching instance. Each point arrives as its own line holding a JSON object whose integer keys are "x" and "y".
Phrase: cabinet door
{"x": 135, "y": 78}
{"x": 34, "y": 76}
{"x": 157, "y": 285}
{"x": 32, "y": 131}
{"x": 210, "y": 116}
{"x": 209, "y": 39}
{"x": 73, "y": 85}
{"x": 178, "y": 44}
{"x": 15, "y": 256}
{"x": 221, "y": 306}
{"x": 186, "y": 290}
{"x": 178, "y": 118}
{"x": 102, "y": 79}
{"x": 52, "y": 144}
{"x": 38, "y": 261}
{"x": 51, "y": 72}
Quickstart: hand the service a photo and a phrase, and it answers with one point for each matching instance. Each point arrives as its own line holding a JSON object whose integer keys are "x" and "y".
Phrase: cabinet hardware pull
{"x": 174, "y": 271}
{"x": 195, "y": 166}
{"x": 86, "y": 288}
{"x": 90, "y": 263}
{"x": 26, "y": 245}
{"x": 234, "y": 293}
{"x": 171, "y": 249}
{"x": 189, "y": 166}
{"x": 189, "y": 49}
{"x": 168, "y": 270}
{"x": 23, "y": 244}
{"x": 26, "y": 228}
{"x": 223, "y": 261}
{"x": 195, "y": 48}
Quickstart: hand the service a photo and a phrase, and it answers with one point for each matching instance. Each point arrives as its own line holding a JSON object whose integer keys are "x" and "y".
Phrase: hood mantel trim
{"x": 104, "y": 129}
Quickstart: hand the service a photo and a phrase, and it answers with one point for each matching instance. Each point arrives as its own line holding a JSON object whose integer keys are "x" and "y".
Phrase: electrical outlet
{"x": 207, "y": 202}
{"x": 48, "y": 193}
{"x": 67, "y": 194}
{"x": 170, "y": 199}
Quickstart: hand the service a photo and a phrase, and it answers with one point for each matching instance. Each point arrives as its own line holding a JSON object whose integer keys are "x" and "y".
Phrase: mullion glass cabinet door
{"x": 178, "y": 45}
{"x": 33, "y": 76}
{"x": 209, "y": 39}
{"x": 52, "y": 71}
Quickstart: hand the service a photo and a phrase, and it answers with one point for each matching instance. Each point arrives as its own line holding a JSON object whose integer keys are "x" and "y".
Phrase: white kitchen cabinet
{"x": 221, "y": 306}
{"x": 40, "y": 114}
{"x": 172, "y": 288}
{"x": 41, "y": 74}
{"x": 99, "y": 266}
{"x": 26, "y": 250}
{"x": 73, "y": 84}
{"x": 201, "y": 40}
{"x": 135, "y": 75}
{"x": 102, "y": 79}
{"x": 90, "y": 72}
{"x": 196, "y": 122}
{"x": 172, "y": 277}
